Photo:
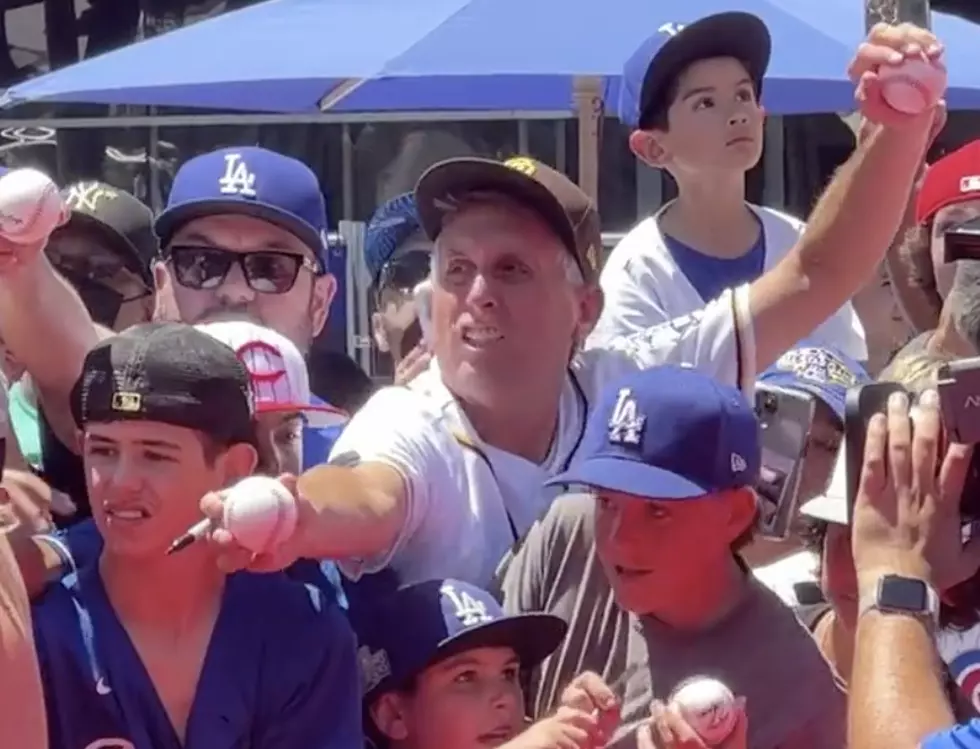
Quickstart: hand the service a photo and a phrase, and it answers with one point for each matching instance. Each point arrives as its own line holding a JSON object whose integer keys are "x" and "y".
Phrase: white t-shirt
{"x": 469, "y": 502}
{"x": 643, "y": 285}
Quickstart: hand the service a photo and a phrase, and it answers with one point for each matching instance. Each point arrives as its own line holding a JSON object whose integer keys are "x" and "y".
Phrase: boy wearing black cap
{"x": 145, "y": 649}
{"x": 692, "y": 93}
{"x": 448, "y": 673}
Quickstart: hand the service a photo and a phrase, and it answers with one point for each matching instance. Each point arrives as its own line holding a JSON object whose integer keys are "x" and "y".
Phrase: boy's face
{"x": 714, "y": 122}
{"x": 469, "y": 701}
{"x": 655, "y": 553}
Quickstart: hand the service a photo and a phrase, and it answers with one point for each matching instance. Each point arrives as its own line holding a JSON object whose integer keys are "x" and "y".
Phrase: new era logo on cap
{"x": 970, "y": 183}
{"x": 738, "y": 463}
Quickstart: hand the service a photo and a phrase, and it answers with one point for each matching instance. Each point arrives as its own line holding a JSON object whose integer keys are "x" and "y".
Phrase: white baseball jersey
{"x": 644, "y": 286}
{"x": 468, "y": 501}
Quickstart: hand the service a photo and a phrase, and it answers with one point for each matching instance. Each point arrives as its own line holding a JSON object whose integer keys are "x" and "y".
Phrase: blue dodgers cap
{"x": 668, "y": 433}
{"x": 650, "y": 71}
{"x": 393, "y": 223}
{"x": 823, "y": 372}
{"x": 402, "y": 633}
{"x": 251, "y": 181}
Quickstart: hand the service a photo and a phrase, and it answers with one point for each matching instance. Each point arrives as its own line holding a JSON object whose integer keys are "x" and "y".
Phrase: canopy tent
{"x": 291, "y": 56}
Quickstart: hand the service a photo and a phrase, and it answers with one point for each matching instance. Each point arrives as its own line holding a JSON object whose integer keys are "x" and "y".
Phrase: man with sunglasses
{"x": 398, "y": 255}
{"x": 243, "y": 236}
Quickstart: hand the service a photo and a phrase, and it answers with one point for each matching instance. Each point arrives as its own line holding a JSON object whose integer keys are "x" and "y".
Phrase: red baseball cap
{"x": 953, "y": 179}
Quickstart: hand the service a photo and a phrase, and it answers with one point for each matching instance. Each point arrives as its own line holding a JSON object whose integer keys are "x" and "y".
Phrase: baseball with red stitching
{"x": 31, "y": 206}
{"x": 260, "y": 513}
{"x": 913, "y": 86}
{"x": 708, "y": 706}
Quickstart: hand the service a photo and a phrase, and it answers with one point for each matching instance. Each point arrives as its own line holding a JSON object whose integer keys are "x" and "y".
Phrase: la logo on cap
{"x": 466, "y": 608}
{"x": 237, "y": 179}
{"x": 625, "y": 424}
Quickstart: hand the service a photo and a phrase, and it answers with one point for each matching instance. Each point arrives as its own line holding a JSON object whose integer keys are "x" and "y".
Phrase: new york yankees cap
{"x": 820, "y": 371}
{"x": 123, "y": 220}
{"x": 570, "y": 213}
{"x": 280, "y": 381}
{"x": 169, "y": 373}
{"x": 668, "y": 433}
{"x": 652, "y": 69}
{"x": 250, "y": 181}
{"x": 402, "y": 633}
{"x": 392, "y": 223}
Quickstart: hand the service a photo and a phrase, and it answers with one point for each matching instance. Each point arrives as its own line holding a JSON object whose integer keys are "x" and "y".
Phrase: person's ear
{"x": 590, "y": 308}
{"x": 237, "y": 462}
{"x": 743, "y": 509}
{"x": 648, "y": 147}
{"x": 389, "y": 713}
{"x": 324, "y": 290}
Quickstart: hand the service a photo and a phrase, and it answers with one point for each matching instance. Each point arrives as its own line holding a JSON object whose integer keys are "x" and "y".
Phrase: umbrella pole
{"x": 589, "y": 108}
{"x": 896, "y": 11}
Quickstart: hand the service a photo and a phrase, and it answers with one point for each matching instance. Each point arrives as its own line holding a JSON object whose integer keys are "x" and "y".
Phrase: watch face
{"x": 903, "y": 594}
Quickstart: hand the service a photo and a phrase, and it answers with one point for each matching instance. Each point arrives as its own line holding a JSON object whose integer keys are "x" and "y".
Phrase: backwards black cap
{"x": 169, "y": 373}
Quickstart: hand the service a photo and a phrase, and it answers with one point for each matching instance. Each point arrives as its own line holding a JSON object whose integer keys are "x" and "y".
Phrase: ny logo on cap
{"x": 86, "y": 196}
{"x": 467, "y": 609}
{"x": 127, "y": 402}
{"x": 672, "y": 29}
{"x": 237, "y": 179}
{"x": 625, "y": 425}
{"x": 374, "y": 666}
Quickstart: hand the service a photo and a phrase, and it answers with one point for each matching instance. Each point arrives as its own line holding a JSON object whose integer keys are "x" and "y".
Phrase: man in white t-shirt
{"x": 441, "y": 477}
{"x": 693, "y": 96}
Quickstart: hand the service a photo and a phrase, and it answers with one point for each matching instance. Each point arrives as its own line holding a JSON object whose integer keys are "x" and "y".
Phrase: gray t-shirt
{"x": 760, "y": 650}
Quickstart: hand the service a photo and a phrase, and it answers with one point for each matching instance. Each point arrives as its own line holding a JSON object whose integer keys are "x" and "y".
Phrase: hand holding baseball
{"x": 589, "y": 693}
{"x": 670, "y": 727}
{"x": 254, "y": 523}
{"x": 31, "y": 208}
{"x": 900, "y": 77}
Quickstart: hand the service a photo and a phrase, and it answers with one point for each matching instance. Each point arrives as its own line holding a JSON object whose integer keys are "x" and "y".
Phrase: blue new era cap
{"x": 251, "y": 181}
{"x": 402, "y": 633}
{"x": 822, "y": 372}
{"x": 668, "y": 433}
{"x": 393, "y": 223}
{"x": 650, "y": 72}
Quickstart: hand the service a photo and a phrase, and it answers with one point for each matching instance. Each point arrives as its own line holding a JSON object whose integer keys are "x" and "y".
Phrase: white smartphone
{"x": 423, "y": 307}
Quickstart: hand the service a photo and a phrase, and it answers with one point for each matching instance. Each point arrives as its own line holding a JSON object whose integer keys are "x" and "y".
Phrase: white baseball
{"x": 913, "y": 86}
{"x": 260, "y": 513}
{"x": 708, "y": 706}
{"x": 30, "y": 206}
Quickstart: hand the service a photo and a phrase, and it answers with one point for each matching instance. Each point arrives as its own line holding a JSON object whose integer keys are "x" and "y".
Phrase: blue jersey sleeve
{"x": 966, "y": 736}
{"x": 317, "y": 701}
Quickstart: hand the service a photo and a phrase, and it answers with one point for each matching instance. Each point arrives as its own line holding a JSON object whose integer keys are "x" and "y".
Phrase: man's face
{"x": 280, "y": 442}
{"x": 145, "y": 480}
{"x": 114, "y": 294}
{"x": 657, "y": 552}
{"x": 505, "y": 314}
{"x": 469, "y": 701}
{"x": 714, "y": 123}
{"x": 395, "y": 320}
{"x": 203, "y": 280}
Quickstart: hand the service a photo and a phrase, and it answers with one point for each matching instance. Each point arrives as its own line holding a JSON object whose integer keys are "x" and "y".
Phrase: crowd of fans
{"x": 554, "y": 515}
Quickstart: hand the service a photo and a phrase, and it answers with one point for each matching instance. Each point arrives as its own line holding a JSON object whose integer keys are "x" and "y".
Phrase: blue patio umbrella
{"x": 485, "y": 55}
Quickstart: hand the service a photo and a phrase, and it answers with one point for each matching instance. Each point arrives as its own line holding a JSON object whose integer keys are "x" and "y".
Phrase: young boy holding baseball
{"x": 441, "y": 666}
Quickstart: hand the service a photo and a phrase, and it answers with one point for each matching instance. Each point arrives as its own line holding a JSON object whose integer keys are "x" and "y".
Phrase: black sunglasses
{"x": 266, "y": 271}
{"x": 404, "y": 272}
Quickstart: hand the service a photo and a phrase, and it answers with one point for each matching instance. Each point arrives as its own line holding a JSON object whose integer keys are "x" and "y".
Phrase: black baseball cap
{"x": 570, "y": 213}
{"x": 170, "y": 373}
{"x": 123, "y": 220}
{"x": 652, "y": 69}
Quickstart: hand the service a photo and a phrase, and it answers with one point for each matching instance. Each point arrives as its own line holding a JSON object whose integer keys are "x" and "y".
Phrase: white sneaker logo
{"x": 101, "y": 687}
